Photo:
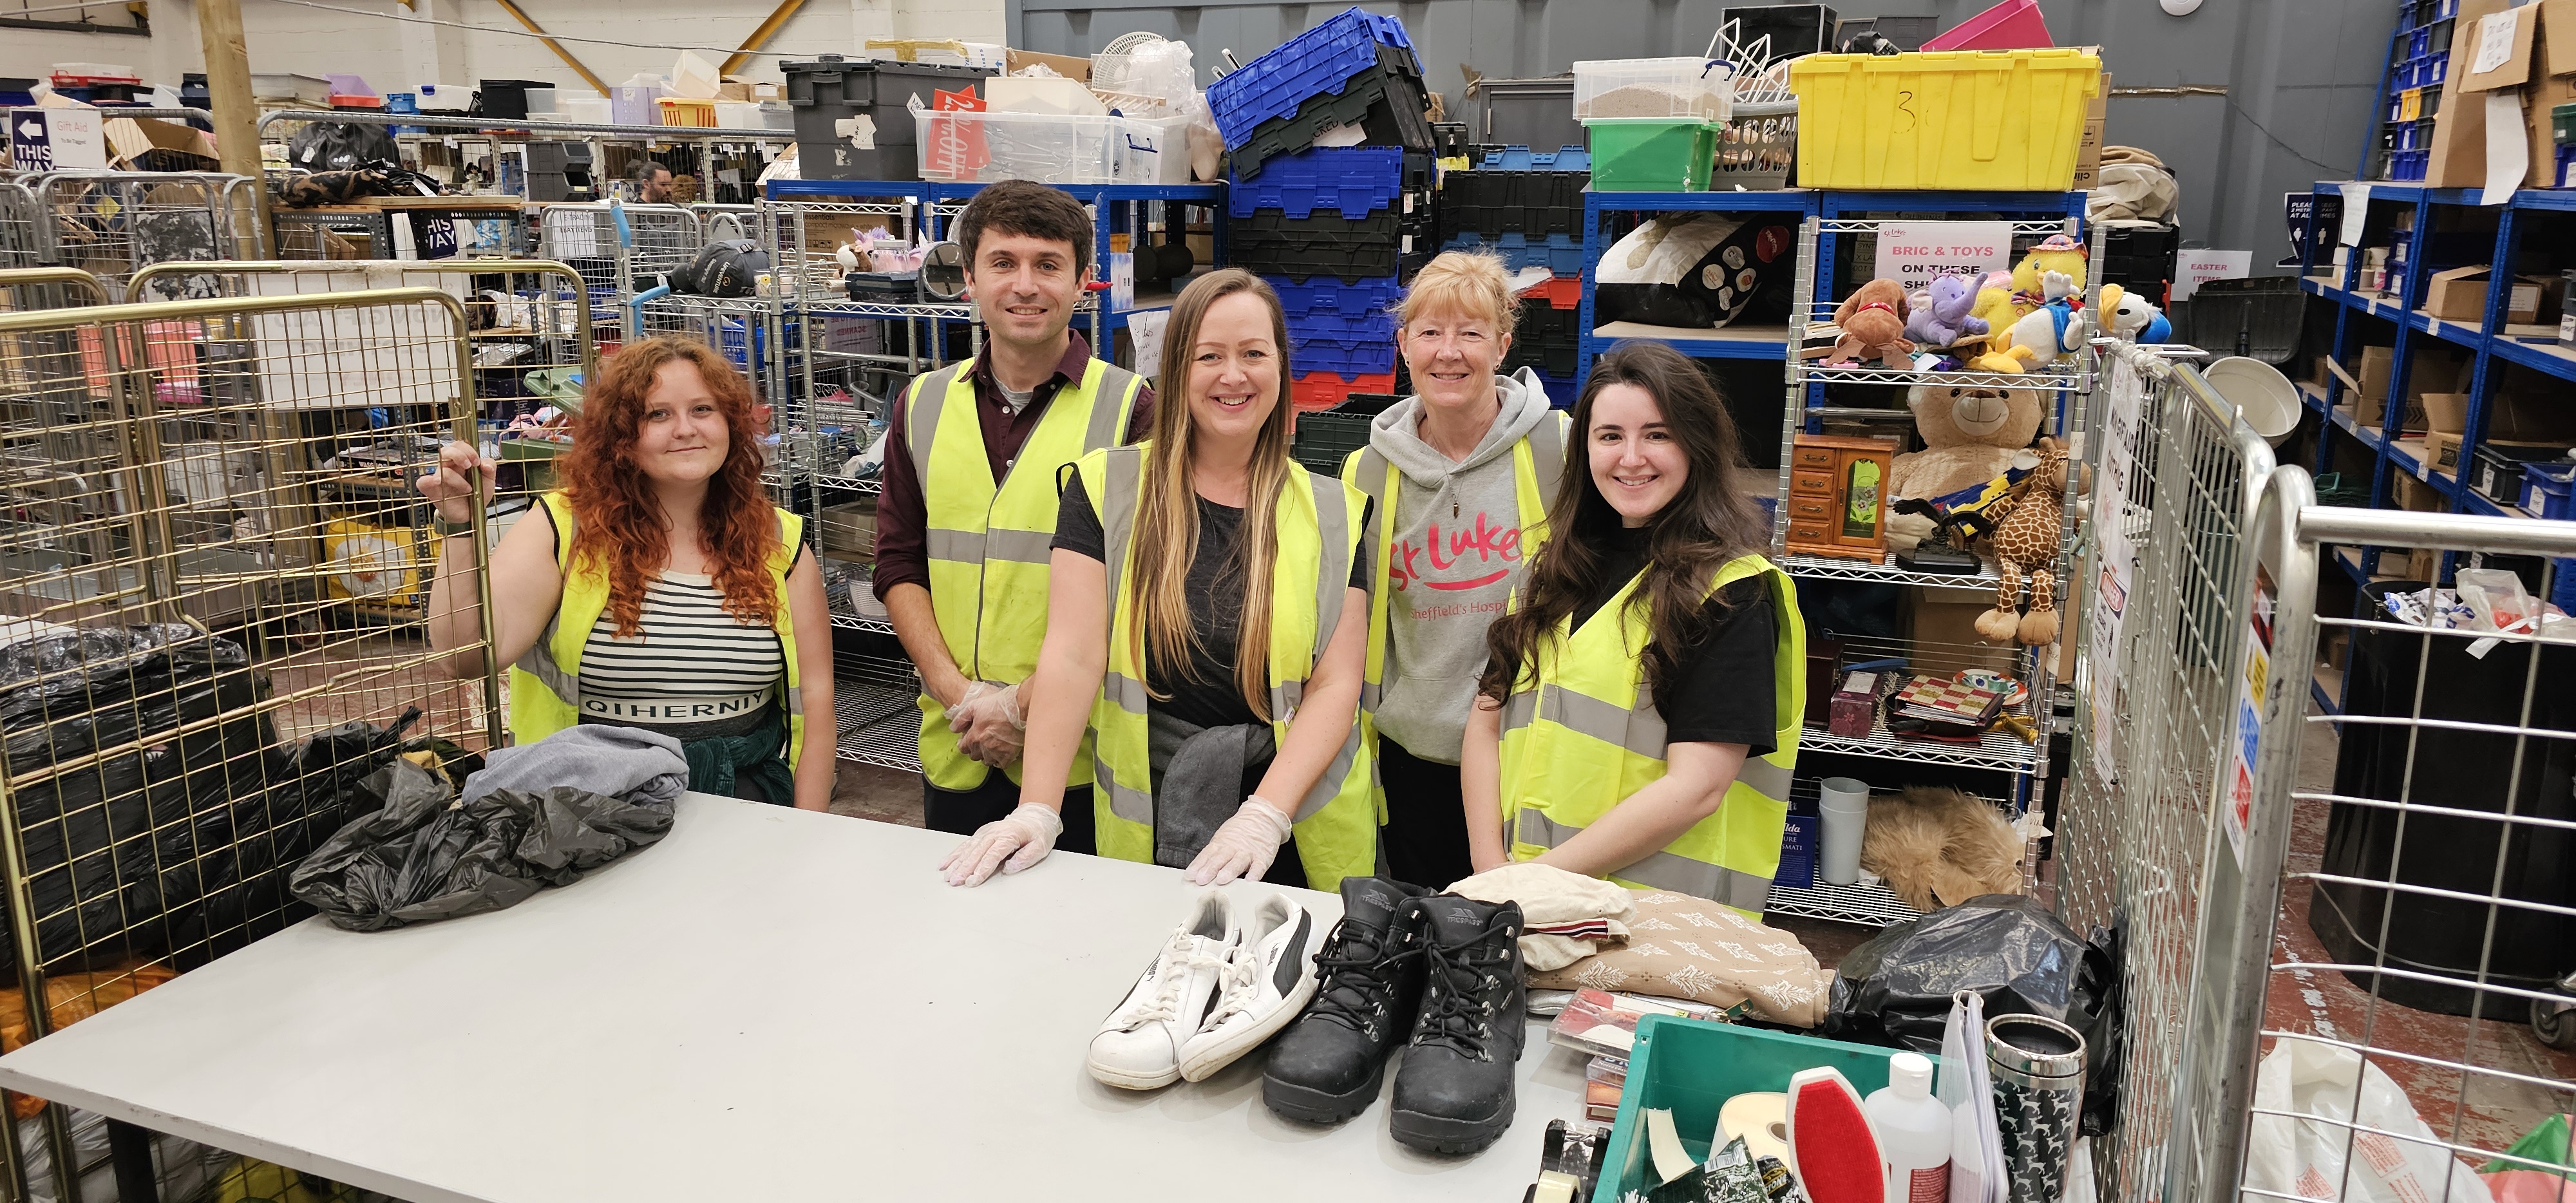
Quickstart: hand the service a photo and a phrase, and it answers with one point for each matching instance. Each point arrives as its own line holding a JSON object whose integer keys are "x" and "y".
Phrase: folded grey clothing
{"x": 1201, "y": 777}
{"x": 426, "y": 857}
{"x": 622, "y": 762}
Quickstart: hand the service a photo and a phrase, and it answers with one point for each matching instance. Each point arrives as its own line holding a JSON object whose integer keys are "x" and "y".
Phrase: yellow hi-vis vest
{"x": 545, "y": 685}
{"x": 1538, "y": 460}
{"x": 1318, "y": 520}
{"x": 988, "y": 544}
{"x": 1581, "y": 734}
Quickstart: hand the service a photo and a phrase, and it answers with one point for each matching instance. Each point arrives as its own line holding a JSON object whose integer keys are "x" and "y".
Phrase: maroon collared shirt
{"x": 901, "y": 554}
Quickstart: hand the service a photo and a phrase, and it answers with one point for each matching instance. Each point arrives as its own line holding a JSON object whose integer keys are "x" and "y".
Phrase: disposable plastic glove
{"x": 1011, "y": 843}
{"x": 1000, "y": 727}
{"x": 1244, "y": 845}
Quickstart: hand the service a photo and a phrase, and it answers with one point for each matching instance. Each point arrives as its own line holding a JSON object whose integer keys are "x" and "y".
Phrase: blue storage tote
{"x": 1352, "y": 180}
{"x": 1318, "y": 60}
{"x": 1561, "y": 254}
{"x": 1342, "y": 356}
{"x": 1326, "y": 295}
{"x": 1522, "y": 158}
{"x": 1377, "y": 325}
{"x": 1690, "y": 1067}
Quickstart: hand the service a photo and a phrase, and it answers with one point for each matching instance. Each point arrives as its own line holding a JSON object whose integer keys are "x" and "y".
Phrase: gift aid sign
{"x": 1913, "y": 252}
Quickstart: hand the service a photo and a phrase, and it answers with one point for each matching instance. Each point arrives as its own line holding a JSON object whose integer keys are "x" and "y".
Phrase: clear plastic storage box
{"x": 1653, "y": 87}
{"x": 980, "y": 148}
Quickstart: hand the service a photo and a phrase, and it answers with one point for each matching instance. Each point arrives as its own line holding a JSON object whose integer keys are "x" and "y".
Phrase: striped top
{"x": 691, "y": 672}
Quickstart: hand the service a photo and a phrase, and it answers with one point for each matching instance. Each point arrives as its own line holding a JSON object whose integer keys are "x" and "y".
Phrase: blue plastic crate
{"x": 2440, "y": 61}
{"x": 1325, "y": 294}
{"x": 2418, "y": 42}
{"x": 1521, "y": 158}
{"x": 2563, "y": 594}
{"x": 1345, "y": 356}
{"x": 1560, "y": 392}
{"x": 2567, "y": 171}
{"x": 2549, "y": 490}
{"x": 1378, "y": 325}
{"x": 1558, "y": 253}
{"x": 1355, "y": 180}
{"x": 1318, "y": 60}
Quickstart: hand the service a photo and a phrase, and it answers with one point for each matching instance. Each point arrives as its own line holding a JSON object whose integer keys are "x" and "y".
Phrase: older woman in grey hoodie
{"x": 1462, "y": 473}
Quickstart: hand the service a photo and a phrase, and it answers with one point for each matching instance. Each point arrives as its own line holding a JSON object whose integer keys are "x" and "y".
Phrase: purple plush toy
{"x": 1940, "y": 318}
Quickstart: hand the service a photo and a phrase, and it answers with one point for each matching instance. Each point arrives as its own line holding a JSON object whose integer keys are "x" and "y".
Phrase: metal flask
{"x": 2038, "y": 1069}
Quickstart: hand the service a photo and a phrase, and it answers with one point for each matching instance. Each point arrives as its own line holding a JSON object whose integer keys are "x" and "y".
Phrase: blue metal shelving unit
{"x": 2408, "y": 326}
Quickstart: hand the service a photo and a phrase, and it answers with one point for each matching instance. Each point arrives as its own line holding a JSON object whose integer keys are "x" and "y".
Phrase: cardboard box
{"x": 2460, "y": 294}
{"x": 1070, "y": 66}
{"x": 2088, "y": 145}
{"x": 2446, "y": 413}
{"x": 2524, "y": 297}
{"x": 2530, "y": 408}
{"x": 2536, "y": 73}
{"x": 2415, "y": 495}
{"x": 2437, "y": 368}
{"x": 1948, "y": 617}
{"x": 145, "y": 144}
{"x": 2442, "y": 451}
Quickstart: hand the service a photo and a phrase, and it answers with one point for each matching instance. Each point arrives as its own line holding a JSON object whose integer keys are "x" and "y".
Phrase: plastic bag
{"x": 426, "y": 857}
{"x": 113, "y": 848}
{"x": 2008, "y": 950}
{"x": 333, "y": 146}
{"x": 2306, "y": 1158}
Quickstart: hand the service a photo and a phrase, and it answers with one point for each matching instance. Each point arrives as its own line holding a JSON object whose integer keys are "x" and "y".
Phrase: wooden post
{"x": 219, "y": 28}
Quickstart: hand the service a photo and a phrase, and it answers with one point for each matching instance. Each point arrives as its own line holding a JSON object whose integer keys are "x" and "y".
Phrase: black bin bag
{"x": 423, "y": 858}
{"x": 2008, "y": 950}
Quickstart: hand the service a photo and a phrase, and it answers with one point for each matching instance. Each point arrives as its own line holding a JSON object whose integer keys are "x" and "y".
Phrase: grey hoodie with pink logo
{"x": 1456, "y": 557}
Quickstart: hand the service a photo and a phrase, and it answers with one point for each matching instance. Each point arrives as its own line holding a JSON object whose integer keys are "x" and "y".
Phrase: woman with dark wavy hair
{"x": 658, "y": 588}
{"x": 1640, "y": 712}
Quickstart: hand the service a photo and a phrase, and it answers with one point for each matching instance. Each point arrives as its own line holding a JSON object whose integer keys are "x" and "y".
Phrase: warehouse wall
{"x": 2301, "y": 75}
{"x": 393, "y": 54}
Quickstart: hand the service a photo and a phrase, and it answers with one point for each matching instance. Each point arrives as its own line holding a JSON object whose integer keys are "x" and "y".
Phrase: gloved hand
{"x": 999, "y": 728}
{"x": 1244, "y": 845}
{"x": 1023, "y": 836}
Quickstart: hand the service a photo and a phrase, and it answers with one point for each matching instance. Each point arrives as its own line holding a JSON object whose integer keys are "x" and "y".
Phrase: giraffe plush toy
{"x": 2025, "y": 543}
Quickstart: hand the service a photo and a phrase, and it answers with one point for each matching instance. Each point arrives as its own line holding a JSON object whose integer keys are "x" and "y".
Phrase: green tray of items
{"x": 1690, "y": 1067}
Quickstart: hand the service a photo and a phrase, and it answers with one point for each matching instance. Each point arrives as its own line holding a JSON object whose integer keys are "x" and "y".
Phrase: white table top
{"x": 769, "y": 1004}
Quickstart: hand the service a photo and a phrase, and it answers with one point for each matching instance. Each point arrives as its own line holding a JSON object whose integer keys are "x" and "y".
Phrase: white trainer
{"x": 1139, "y": 1046}
{"x": 1267, "y": 982}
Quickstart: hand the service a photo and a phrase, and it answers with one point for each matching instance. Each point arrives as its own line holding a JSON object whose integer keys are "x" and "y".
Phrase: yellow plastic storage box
{"x": 1957, "y": 120}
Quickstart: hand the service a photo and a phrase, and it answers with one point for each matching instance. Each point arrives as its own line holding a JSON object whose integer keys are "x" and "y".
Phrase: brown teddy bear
{"x": 1873, "y": 325}
{"x": 1970, "y": 435}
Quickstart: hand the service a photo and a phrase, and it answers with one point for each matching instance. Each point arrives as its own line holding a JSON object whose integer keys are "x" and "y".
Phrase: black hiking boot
{"x": 1326, "y": 1067}
{"x": 1454, "y": 1094}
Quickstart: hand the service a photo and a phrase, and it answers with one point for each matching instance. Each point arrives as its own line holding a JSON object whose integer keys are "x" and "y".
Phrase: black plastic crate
{"x": 823, "y": 93}
{"x": 1450, "y": 139}
{"x": 1545, "y": 338}
{"x": 2496, "y": 470}
{"x": 1387, "y": 101}
{"x": 1794, "y": 29}
{"x": 1326, "y": 437}
{"x": 1531, "y": 202}
{"x": 1326, "y": 244}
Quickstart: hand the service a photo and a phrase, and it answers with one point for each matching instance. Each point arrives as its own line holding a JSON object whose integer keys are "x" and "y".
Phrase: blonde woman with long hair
{"x": 1206, "y": 621}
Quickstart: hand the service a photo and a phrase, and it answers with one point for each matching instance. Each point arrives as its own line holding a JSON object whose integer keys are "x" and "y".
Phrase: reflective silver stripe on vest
{"x": 1662, "y": 870}
{"x": 1586, "y": 715}
{"x": 1547, "y": 463}
{"x": 921, "y": 427}
{"x": 1000, "y": 543}
{"x": 1125, "y": 801}
{"x": 539, "y": 662}
{"x": 1767, "y": 779}
{"x": 1117, "y": 512}
{"x": 1332, "y": 585}
{"x": 1108, "y": 413}
{"x": 1125, "y": 692}
{"x": 1329, "y": 786}
{"x": 1519, "y": 709}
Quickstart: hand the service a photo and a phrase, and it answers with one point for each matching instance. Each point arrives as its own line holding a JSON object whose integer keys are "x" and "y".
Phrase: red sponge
{"x": 1832, "y": 1146}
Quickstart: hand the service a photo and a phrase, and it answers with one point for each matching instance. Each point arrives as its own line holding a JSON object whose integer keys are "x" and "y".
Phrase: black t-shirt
{"x": 1727, "y": 686}
{"x": 1215, "y": 592}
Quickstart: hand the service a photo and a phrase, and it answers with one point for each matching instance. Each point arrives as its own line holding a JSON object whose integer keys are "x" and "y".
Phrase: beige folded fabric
{"x": 1684, "y": 947}
{"x": 1550, "y": 896}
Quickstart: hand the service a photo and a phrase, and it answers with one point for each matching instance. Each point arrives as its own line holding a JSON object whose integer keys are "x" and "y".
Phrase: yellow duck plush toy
{"x": 2056, "y": 253}
{"x": 1995, "y": 306}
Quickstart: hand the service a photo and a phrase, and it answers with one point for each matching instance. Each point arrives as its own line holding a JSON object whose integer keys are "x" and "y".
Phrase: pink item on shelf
{"x": 2011, "y": 25}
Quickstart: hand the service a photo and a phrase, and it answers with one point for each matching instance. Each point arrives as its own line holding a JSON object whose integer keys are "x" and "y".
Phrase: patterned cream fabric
{"x": 1684, "y": 947}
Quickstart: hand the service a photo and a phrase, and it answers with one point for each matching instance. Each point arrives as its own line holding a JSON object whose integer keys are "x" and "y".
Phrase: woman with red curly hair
{"x": 657, "y": 588}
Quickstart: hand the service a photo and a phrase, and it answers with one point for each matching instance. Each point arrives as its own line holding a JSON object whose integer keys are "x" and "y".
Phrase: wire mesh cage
{"x": 213, "y": 627}
{"x": 532, "y": 350}
{"x": 2170, "y": 523}
{"x": 22, "y": 230}
{"x": 115, "y": 223}
{"x": 2383, "y": 1051}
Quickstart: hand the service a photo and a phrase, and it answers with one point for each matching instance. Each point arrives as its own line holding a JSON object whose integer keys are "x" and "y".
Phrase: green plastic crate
{"x": 2562, "y": 123}
{"x": 1690, "y": 1067}
{"x": 1650, "y": 154}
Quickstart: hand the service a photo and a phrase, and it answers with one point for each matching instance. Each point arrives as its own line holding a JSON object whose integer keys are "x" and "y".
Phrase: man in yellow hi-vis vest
{"x": 971, "y": 458}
